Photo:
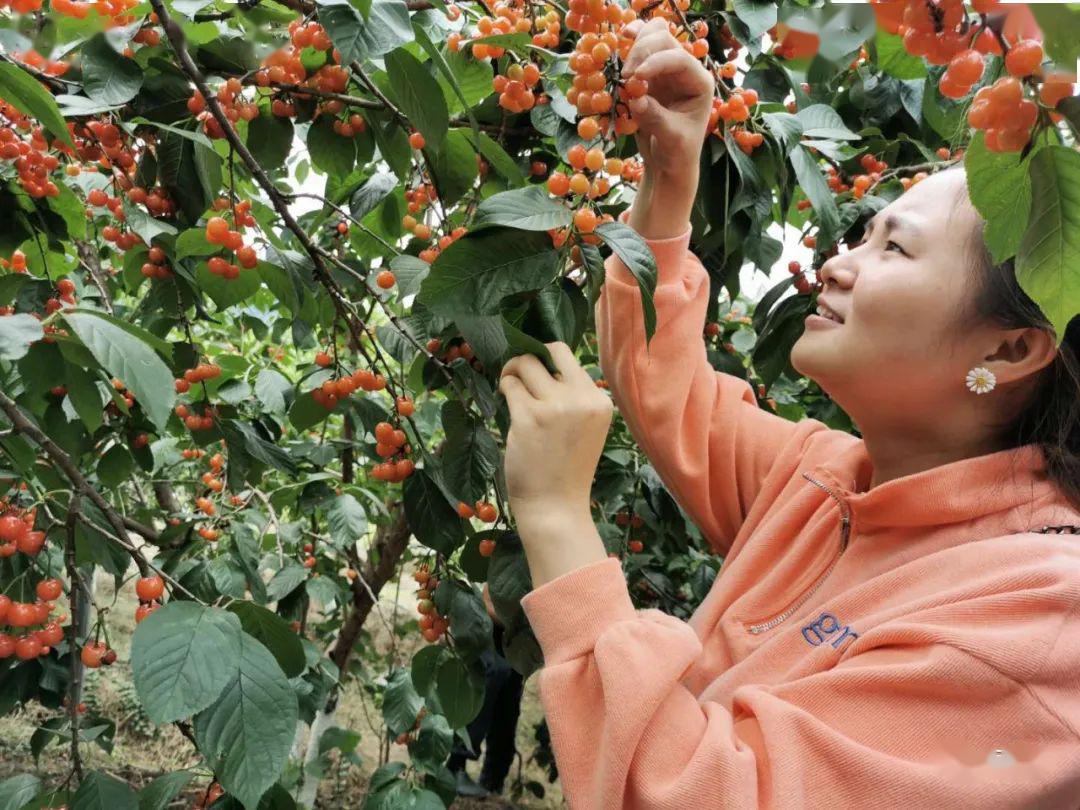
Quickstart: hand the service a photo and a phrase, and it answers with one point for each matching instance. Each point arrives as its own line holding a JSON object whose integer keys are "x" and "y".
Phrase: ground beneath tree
{"x": 142, "y": 752}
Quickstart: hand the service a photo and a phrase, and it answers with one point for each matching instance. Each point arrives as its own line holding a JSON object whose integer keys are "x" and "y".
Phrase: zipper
{"x": 845, "y": 529}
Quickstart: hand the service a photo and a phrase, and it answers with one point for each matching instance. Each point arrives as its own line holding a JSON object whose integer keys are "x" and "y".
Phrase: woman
{"x": 897, "y": 621}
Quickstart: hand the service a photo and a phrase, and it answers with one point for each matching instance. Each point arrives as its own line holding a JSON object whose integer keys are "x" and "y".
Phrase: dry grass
{"x": 142, "y": 752}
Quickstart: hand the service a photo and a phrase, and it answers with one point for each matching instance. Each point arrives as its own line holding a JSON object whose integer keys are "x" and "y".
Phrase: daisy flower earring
{"x": 981, "y": 380}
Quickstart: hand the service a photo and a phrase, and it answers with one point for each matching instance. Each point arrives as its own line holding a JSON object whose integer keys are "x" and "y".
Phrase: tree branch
{"x": 75, "y": 662}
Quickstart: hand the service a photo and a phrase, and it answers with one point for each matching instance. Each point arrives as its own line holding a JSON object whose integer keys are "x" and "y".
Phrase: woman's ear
{"x": 1022, "y": 353}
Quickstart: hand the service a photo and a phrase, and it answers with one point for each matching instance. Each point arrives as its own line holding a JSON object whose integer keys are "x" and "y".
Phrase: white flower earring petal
{"x": 981, "y": 380}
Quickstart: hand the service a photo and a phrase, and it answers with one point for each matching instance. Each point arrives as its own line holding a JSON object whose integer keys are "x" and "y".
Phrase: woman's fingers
{"x": 567, "y": 364}
{"x": 517, "y": 395}
{"x": 681, "y": 71}
{"x": 649, "y": 40}
{"x": 528, "y": 368}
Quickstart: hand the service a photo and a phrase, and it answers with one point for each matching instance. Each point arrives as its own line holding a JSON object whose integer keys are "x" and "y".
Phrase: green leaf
{"x": 470, "y": 456}
{"x": 631, "y": 248}
{"x": 1060, "y": 23}
{"x": 497, "y": 157}
{"x": 26, "y": 94}
{"x": 18, "y": 790}
{"x": 759, "y": 15}
{"x": 17, "y": 332}
{"x": 71, "y": 209}
{"x": 131, "y": 360}
{"x": 160, "y": 793}
{"x": 331, "y": 153}
{"x": 162, "y": 347}
{"x": 418, "y": 95}
{"x": 274, "y": 633}
{"x": 425, "y": 664}
{"x": 367, "y": 198}
{"x": 387, "y": 26}
{"x": 84, "y": 394}
{"x": 530, "y": 209}
{"x": 401, "y": 703}
{"x": 270, "y": 137}
{"x": 519, "y": 342}
{"x": 786, "y": 128}
{"x": 273, "y": 390}
{"x": 241, "y": 434}
{"x": 115, "y": 466}
{"x": 822, "y": 121}
{"x": 508, "y": 578}
{"x": 817, "y": 191}
{"x": 225, "y": 292}
{"x": 893, "y": 59}
{"x": 182, "y": 656}
{"x": 467, "y": 615}
{"x": 999, "y": 186}
{"x": 476, "y": 272}
{"x": 250, "y": 728}
{"x": 410, "y": 272}
{"x": 108, "y": 77}
{"x": 460, "y": 693}
{"x": 431, "y": 517}
{"x": 145, "y": 225}
{"x": 845, "y": 31}
{"x": 99, "y": 791}
{"x": 285, "y": 581}
{"x": 347, "y": 521}
{"x": 454, "y": 165}
{"x": 1048, "y": 264}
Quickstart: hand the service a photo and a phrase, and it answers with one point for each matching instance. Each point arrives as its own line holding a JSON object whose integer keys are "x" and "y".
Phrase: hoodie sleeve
{"x": 702, "y": 430}
{"x": 902, "y": 721}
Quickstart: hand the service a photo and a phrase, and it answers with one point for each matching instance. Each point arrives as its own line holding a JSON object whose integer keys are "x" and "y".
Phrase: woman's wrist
{"x": 662, "y": 208}
{"x": 558, "y": 538}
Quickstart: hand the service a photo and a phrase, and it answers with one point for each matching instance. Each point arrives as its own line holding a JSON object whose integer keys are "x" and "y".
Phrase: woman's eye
{"x": 891, "y": 245}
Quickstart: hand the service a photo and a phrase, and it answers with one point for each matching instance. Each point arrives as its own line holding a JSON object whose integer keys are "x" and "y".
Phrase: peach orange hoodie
{"x": 915, "y": 645}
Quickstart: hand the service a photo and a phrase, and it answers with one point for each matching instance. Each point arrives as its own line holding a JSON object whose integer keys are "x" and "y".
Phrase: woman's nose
{"x": 839, "y": 269}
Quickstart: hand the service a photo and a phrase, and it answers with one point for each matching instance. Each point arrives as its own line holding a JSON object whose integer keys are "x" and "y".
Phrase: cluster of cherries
{"x": 149, "y": 590}
{"x": 333, "y": 391}
{"x": 515, "y": 87}
{"x": 624, "y": 518}
{"x": 944, "y": 33}
{"x": 17, "y": 533}
{"x": 218, "y": 232}
{"x": 432, "y": 625}
{"x": 210, "y": 478}
{"x": 31, "y": 643}
{"x": 390, "y": 442}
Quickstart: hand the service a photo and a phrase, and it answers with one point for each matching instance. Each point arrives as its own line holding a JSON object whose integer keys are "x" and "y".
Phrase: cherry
{"x": 92, "y": 654}
{"x": 487, "y": 547}
{"x": 385, "y": 279}
{"x": 323, "y": 359}
{"x": 405, "y": 406}
{"x": 416, "y": 141}
{"x": 12, "y": 528}
{"x": 149, "y": 588}
{"x": 27, "y": 647}
{"x": 1024, "y": 58}
{"x": 49, "y": 589}
{"x": 486, "y": 512}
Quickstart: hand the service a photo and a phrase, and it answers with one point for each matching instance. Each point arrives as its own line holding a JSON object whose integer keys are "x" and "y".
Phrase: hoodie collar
{"x": 963, "y": 490}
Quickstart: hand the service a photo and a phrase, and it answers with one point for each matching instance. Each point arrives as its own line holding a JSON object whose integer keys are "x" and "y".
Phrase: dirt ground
{"x": 142, "y": 752}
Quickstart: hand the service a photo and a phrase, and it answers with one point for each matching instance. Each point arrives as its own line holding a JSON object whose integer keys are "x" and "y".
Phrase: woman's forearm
{"x": 661, "y": 209}
{"x": 558, "y": 539}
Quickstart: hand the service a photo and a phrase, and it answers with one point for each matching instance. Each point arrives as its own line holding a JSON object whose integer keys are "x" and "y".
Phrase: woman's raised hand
{"x": 673, "y": 115}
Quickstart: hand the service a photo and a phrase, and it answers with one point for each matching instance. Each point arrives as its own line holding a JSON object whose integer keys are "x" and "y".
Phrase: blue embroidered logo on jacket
{"x": 826, "y": 627}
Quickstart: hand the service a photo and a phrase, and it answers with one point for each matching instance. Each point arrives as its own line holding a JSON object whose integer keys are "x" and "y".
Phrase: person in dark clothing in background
{"x": 495, "y": 725}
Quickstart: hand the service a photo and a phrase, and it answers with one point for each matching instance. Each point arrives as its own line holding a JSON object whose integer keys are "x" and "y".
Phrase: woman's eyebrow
{"x": 894, "y": 222}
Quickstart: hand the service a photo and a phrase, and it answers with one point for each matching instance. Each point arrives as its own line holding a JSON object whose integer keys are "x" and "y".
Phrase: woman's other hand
{"x": 558, "y": 426}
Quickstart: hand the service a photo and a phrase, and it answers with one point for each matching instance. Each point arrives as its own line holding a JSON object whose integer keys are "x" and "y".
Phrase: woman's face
{"x": 897, "y": 352}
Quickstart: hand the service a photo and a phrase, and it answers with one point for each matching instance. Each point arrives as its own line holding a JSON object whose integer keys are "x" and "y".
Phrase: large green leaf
{"x": 418, "y": 95}
{"x": 182, "y": 656}
{"x": 250, "y": 728}
{"x": 431, "y": 517}
{"x": 270, "y": 137}
{"x": 471, "y": 455}
{"x": 160, "y": 793}
{"x": 99, "y": 791}
{"x": 332, "y": 153}
{"x": 632, "y": 249}
{"x": 759, "y": 15}
{"x": 476, "y": 272}
{"x": 469, "y": 620}
{"x": 347, "y": 521}
{"x": 1000, "y": 189}
{"x": 367, "y": 198}
{"x": 460, "y": 692}
{"x": 131, "y": 360}
{"x": 1048, "y": 264}
{"x": 108, "y": 77}
{"x": 530, "y": 209}
{"x": 274, "y": 633}
{"x": 822, "y": 121}
{"x": 454, "y": 165}
{"x": 387, "y": 26}
{"x": 401, "y": 703}
{"x": 18, "y": 790}
{"x": 17, "y": 332}
{"x": 26, "y": 94}
{"x": 225, "y": 292}
{"x": 895, "y": 60}
{"x": 273, "y": 390}
{"x": 817, "y": 191}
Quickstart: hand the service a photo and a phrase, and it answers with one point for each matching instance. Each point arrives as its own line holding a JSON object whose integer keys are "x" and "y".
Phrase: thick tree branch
{"x": 75, "y": 661}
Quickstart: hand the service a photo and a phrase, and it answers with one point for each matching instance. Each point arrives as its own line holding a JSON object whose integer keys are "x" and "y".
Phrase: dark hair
{"x": 1051, "y": 418}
